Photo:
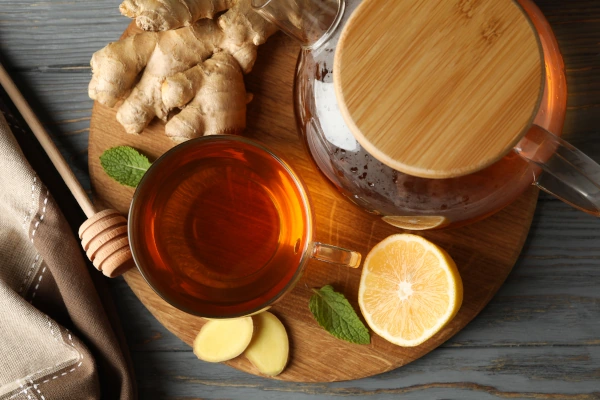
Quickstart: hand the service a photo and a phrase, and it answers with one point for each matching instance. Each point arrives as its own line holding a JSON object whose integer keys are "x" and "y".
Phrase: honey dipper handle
{"x": 49, "y": 147}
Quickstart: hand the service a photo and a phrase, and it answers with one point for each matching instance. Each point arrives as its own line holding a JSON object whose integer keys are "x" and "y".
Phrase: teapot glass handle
{"x": 567, "y": 174}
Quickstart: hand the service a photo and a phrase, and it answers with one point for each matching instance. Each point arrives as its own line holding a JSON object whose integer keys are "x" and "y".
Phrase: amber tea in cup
{"x": 221, "y": 227}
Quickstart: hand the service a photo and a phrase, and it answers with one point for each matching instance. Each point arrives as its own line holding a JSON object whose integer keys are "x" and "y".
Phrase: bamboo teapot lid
{"x": 439, "y": 89}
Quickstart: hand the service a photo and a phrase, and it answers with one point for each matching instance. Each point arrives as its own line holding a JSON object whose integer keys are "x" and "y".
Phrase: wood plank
{"x": 39, "y": 34}
{"x": 538, "y": 373}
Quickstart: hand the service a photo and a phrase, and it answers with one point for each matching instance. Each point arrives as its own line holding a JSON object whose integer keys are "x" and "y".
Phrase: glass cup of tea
{"x": 220, "y": 227}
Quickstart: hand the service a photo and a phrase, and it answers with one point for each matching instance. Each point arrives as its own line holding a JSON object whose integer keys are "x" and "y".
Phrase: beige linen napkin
{"x": 45, "y": 286}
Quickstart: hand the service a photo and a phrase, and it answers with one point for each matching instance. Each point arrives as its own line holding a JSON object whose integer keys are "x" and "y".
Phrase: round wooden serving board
{"x": 485, "y": 252}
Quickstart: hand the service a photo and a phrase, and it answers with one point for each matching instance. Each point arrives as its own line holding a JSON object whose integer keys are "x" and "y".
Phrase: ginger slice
{"x": 133, "y": 70}
{"x": 223, "y": 339}
{"x": 269, "y": 349}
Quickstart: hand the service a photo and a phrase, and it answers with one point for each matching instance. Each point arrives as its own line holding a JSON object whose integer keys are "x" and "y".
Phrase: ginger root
{"x": 161, "y": 15}
{"x": 167, "y": 60}
{"x": 223, "y": 339}
{"x": 268, "y": 351}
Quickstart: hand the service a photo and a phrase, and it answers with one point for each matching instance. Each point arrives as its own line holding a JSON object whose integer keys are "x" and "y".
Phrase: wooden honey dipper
{"x": 104, "y": 234}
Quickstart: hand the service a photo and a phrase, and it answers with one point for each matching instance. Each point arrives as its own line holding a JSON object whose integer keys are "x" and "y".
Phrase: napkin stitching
{"x": 25, "y": 391}
{"x": 80, "y": 356}
{"x": 38, "y": 284}
{"x": 32, "y": 203}
{"x": 31, "y": 269}
{"x": 35, "y": 386}
{"x": 28, "y": 215}
{"x": 28, "y": 377}
{"x": 37, "y": 256}
{"x": 37, "y": 224}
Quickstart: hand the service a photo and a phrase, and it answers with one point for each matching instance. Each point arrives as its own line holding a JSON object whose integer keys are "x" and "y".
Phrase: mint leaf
{"x": 125, "y": 165}
{"x": 335, "y": 314}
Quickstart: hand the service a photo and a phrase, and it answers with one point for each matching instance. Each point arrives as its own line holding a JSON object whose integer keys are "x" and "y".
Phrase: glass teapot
{"x": 433, "y": 114}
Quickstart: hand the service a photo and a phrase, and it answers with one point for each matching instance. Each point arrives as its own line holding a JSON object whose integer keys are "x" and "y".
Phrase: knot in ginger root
{"x": 213, "y": 97}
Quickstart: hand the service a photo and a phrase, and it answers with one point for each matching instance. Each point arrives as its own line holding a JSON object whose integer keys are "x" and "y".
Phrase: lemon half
{"x": 409, "y": 289}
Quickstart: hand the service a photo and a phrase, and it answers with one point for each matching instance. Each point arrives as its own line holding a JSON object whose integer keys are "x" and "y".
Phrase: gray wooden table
{"x": 539, "y": 338}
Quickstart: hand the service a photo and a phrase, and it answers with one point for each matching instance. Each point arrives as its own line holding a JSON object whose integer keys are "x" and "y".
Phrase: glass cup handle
{"x": 335, "y": 255}
{"x": 567, "y": 174}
